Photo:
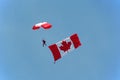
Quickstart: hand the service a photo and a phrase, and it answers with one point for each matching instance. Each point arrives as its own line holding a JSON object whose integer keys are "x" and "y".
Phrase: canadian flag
{"x": 60, "y": 48}
{"x": 44, "y": 25}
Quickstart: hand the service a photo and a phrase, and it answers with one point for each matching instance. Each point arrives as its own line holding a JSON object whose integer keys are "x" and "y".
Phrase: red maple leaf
{"x": 65, "y": 46}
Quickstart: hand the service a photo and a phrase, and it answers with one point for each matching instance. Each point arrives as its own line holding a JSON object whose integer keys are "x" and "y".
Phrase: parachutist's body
{"x": 44, "y": 43}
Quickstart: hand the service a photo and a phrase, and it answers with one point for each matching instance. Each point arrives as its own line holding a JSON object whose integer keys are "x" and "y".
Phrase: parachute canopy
{"x": 44, "y": 25}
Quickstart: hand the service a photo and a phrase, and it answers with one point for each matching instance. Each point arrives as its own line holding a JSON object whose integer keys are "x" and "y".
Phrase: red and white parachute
{"x": 44, "y": 25}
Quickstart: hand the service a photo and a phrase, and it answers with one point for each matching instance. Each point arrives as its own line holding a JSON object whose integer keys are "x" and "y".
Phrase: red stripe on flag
{"x": 55, "y": 51}
{"x": 75, "y": 40}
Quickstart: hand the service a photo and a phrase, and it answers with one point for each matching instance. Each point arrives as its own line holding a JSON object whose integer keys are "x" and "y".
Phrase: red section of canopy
{"x": 46, "y": 26}
{"x": 35, "y": 27}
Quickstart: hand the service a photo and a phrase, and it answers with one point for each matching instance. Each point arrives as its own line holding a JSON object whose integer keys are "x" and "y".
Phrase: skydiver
{"x": 44, "y": 42}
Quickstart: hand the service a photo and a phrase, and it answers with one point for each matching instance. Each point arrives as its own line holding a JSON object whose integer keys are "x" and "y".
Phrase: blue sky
{"x": 22, "y": 56}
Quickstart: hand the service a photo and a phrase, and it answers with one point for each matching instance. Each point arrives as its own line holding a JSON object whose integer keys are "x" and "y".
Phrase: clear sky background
{"x": 22, "y": 56}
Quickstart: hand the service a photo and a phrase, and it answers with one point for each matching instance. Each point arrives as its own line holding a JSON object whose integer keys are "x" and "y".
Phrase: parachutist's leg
{"x": 43, "y": 44}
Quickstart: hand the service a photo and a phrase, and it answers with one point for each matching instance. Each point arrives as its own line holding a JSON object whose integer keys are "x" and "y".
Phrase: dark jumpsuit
{"x": 44, "y": 43}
